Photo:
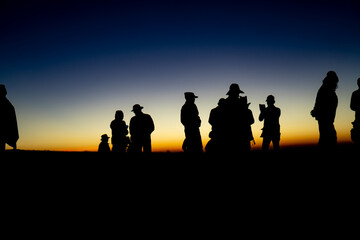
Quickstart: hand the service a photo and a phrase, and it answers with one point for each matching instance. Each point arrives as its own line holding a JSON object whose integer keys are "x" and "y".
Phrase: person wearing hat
{"x": 238, "y": 119}
{"x": 104, "y": 145}
{"x": 8, "y": 124}
{"x": 234, "y": 90}
{"x": 141, "y": 127}
{"x": 189, "y": 117}
{"x": 325, "y": 110}
{"x": 271, "y": 129}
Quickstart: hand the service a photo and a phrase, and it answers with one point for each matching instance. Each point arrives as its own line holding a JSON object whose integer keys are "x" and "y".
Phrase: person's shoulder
{"x": 356, "y": 92}
{"x": 146, "y": 115}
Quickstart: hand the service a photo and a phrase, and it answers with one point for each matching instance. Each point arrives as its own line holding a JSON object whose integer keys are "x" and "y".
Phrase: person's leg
{"x": 276, "y": 144}
{"x": 136, "y": 145}
{"x": 266, "y": 143}
{"x": 198, "y": 142}
{"x": 115, "y": 147}
{"x": 328, "y": 138}
{"x": 193, "y": 140}
{"x": 147, "y": 144}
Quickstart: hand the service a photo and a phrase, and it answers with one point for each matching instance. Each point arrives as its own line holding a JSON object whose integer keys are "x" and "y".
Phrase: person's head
{"x": 331, "y": 80}
{"x": 119, "y": 115}
{"x": 3, "y": 91}
{"x": 190, "y": 96}
{"x": 104, "y": 138}
{"x": 234, "y": 90}
{"x": 270, "y": 100}
{"x": 221, "y": 102}
{"x": 137, "y": 109}
{"x": 358, "y": 82}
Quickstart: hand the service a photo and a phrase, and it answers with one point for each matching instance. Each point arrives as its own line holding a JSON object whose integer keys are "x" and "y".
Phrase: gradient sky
{"x": 69, "y": 65}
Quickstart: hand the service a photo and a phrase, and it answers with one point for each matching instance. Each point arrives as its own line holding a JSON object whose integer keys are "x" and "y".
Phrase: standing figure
{"x": 271, "y": 129}
{"x": 355, "y": 106}
{"x": 141, "y": 127}
{"x": 119, "y": 130}
{"x": 238, "y": 119}
{"x": 191, "y": 121}
{"x": 325, "y": 110}
{"x": 8, "y": 124}
{"x": 216, "y": 120}
{"x": 104, "y": 145}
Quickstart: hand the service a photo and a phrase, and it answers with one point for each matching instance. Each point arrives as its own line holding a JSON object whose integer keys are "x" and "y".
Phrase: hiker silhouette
{"x": 325, "y": 110}
{"x": 119, "y": 130}
{"x": 141, "y": 127}
{"x": 104, "y": 145}
{"x": 8, "y": 124}
{"x": 271, "y": 129}
{"x": 355, "y": 106}
{"x": 190, "y": 119}
{"x": 231, "y": 123}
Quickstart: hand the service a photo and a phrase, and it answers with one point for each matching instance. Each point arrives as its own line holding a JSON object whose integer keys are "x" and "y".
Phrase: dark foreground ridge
{"x": 295, "y": 183}
{"x": 343, "y": 152}
{"x": 291, "y": 159}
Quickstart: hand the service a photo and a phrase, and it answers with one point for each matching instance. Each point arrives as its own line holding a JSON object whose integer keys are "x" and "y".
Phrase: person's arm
{"x": 262, "y": 115}
{"x": 151, "y": 124}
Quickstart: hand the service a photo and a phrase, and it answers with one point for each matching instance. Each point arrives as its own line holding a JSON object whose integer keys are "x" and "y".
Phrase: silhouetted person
{"x": 141, "y": 127}
{"x": 325, "y": 110}
{"x": 191, "y": 121}
{"x": 355, "y": 106}
{"x": 104, "y": 145}
{"x": 217, "y": 134}
{"x": 119, "y": 130}
{"x": 238, "y": 119}
{"x": 271, "y": 129}
{"x": 8, "y": 124}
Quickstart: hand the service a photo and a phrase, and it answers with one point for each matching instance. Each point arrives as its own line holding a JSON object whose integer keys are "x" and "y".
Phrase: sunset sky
{"x": 69, "y": 65}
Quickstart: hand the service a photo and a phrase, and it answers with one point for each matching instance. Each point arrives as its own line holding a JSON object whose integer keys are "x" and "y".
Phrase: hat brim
{"x": 229, "y": 92}
{"x": 138, "y": 108}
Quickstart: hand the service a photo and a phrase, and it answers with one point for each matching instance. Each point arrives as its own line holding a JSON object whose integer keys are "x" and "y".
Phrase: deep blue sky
{"x": 41, "y": 35}
{"x": 62, "y": 59}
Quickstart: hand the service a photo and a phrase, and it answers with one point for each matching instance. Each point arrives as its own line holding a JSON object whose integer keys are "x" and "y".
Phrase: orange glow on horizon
{"x": 175, "y": 146}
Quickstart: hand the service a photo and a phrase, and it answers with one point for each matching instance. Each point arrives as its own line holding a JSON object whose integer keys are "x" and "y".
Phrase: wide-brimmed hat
{"x": 104, "y": 137}
{"x": 234, "y": 89}
{"x": 270, "y": 98}
{"x": 190, "y": 95}
{"x": 136, "y": 107}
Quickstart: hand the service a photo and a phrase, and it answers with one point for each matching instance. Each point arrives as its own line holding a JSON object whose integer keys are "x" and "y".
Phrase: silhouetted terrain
{"x": 303, "y": 157}
{"x": 309, "y": 152}
{"x": 297, "y": 185}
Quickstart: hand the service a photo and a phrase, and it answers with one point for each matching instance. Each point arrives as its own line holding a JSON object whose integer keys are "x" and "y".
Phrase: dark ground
{"x": 296, "y": 192}
{"x": 290, "y": 160}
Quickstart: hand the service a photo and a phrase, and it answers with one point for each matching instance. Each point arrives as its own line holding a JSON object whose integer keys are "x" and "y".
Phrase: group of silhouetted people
{"x": 141, "y": 127}
{"x": 230, "y": 123}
